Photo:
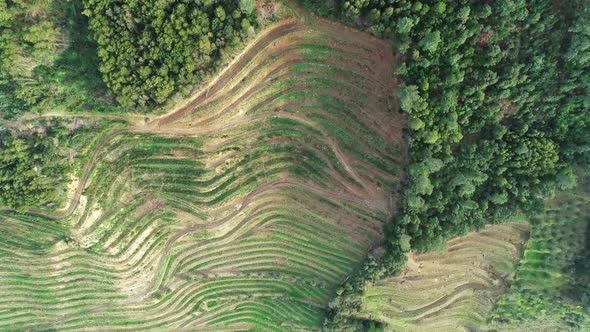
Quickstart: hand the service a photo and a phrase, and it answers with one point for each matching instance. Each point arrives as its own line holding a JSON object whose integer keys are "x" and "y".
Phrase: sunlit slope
{"x": 243, "y": 209}
{"x": 452, "y": 290}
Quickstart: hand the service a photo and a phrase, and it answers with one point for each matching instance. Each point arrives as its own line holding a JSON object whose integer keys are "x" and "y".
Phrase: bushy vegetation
{"x": 27, "y": 175}
{"x": 48, "y": 61}
{"x": 28, "y": 42}
{"x": 552, "y": 288}
{"x": 496, "y": 93}
{"x": 149, "y": 50}
{"x": 35, "y": 160}
{"x": 32, "y": 164}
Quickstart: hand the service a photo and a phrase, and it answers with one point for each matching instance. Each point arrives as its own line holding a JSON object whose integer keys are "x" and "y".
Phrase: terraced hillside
{"x": 453, "y": 290}
{"x": 242, "y": 209}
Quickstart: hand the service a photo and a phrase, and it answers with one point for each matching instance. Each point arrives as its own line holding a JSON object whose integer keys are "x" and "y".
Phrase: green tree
{"x": 408, "y": 97}
{"x": 247, "y": 6}
{"x": 430, "y": 41}
{"x": 180, "y": 42}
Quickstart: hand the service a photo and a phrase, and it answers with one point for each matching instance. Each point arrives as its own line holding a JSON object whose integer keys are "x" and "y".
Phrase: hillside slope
{"x": 453, "y": 290}
{"x": 242, "y": 209}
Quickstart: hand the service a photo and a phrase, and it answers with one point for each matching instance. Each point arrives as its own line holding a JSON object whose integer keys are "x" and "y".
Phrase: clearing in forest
{"x": 452, "y": 290}
{"x": 243, "y": 208}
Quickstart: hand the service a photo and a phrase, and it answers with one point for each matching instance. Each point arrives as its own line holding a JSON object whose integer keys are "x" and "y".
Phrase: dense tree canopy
{"x": 150, "y": 49}
{"x": 32, "y": 165}
{"x": 23, "y": 180}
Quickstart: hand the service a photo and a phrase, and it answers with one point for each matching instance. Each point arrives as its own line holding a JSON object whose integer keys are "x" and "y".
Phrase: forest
{"x": 27, "y": 175}
{"x": 497, "y": 94}
{"x": 48, "y": 62}
{"x": 149, "y": 50}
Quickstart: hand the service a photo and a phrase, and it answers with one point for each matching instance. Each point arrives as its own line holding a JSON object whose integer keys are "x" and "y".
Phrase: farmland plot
{"x": 241, "y": 209}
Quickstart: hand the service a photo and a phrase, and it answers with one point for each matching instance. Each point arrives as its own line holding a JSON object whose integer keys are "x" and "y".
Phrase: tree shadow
{"x": 76, "y": 69}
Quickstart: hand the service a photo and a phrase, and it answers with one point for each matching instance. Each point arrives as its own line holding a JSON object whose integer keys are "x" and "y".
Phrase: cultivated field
{"x": 242, "y": 209}
{"x": 452, "y": 290}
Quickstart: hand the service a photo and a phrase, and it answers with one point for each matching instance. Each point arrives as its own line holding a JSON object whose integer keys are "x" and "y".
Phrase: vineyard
{"x": 243, "y": 208}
